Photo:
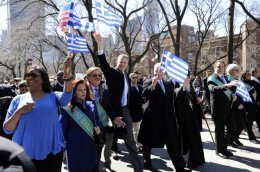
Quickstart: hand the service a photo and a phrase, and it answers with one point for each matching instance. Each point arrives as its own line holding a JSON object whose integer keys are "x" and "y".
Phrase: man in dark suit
{"x": 118, "y": 84}
{"x": 221, "y": 97}
{"x": 58, "y": 86}
{"x": 136, "y": 103}
{"x": 206, "y": 93}
{"x": 158, "y": 126}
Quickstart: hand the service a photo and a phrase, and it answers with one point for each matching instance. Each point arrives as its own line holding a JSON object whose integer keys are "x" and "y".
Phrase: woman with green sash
{"x": 251, "y": 108}
{"x": 237, "y": 106}
{"x": 79, "y": 122}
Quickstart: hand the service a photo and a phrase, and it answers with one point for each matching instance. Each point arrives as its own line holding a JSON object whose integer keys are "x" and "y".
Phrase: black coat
{"x": 189, "y": 130}
{"x": 136, "y": 103}
{"x": 159, "y": 122}
{"x": 115, "y": 83}
{"x": 57, "y": 87}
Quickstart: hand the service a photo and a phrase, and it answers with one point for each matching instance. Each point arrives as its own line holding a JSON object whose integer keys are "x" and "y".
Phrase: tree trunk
{"x": 230, "y": 31}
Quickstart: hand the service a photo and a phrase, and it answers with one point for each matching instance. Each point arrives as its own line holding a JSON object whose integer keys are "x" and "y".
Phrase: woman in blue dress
{"x": 34, "y": 120}
{"x": 79, "y": 122}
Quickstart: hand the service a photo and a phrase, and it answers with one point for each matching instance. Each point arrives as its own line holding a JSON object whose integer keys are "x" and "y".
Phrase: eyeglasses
{"x": 32, "y": 75}
{"x": 97, "y": 75}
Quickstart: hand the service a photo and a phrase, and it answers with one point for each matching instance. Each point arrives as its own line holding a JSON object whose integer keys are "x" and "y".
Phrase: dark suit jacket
{"x": 115, "y": 83}
{"x": 206, "y": 92}
{"x": 159, "y": 123}
{"x": 136, "y": 103}
{"x": 57, "y": 87}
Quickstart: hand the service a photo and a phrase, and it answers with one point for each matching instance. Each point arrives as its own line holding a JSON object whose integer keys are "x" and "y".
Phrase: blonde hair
{"x": 231, "y": 67}
{"x": 92, "y": 69}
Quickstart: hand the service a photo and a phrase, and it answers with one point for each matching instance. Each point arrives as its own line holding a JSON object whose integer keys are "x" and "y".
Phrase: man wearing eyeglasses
{"x": 119, "y": 87}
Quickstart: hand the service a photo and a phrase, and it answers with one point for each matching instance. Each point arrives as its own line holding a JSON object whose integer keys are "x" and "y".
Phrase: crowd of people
{"x": 66, "y": 120}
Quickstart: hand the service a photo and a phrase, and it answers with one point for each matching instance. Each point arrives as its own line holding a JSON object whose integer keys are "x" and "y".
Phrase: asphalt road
{"x": 245, "y": 159}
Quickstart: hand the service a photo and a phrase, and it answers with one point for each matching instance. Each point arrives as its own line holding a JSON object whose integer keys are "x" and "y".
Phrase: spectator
{"x": 58, "y": 86}
{"x": 22, "y": 87}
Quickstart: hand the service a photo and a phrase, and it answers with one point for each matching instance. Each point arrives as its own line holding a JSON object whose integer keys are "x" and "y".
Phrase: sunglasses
{"x": 97, "y": 75}
{"x": 32, "y": 75}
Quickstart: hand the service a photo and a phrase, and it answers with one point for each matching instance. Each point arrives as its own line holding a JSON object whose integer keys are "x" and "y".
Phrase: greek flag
{"x": 77, "y": 23}
{"x": 242, "y": 92}
{"x": 77, "y": 44}
{"x": 175, "y": 67}
{"x": 107, "y": 16}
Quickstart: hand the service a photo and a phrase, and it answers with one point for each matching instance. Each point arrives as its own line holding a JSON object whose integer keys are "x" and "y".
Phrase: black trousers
{"x": 52, "y": 163}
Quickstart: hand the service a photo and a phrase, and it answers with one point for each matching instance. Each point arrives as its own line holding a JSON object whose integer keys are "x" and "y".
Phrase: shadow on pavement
{"x": 218, "y": 167}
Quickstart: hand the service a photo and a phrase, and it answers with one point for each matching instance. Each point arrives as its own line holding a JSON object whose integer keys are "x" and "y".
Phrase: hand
{"x": 234, "y": 97}
{"x": 232, "y": 83}
{"x": 240, "y": 107}
{"x": 199, "y": 100}
{"x": 99, "y": 40}
{"x": 119, "y": 122}
{"x": 27, "y": 107}
{"x": 67, "y": 65}
{"x": 186, "y": 82}
{"x": 154, "y": 81}
{"x": 97, "y": 130}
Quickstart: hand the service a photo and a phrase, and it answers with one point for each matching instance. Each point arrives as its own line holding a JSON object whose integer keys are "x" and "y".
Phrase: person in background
{"x": 105, "y": 112}
{"x": 159, "y": 125}
{"x": 256, "y": 82}
{"x": 81, "y": 148}
{"x": 119, "y": 86}
{"x": 14, "y": 86}
{"x": 58, "y": 86}
{"x": 34, "y": 121}
{"x": 22, "y": 87}
{"x": 206, "y": 93}
{"x": 136, "y": 110}
{"x": 250, "y": 107}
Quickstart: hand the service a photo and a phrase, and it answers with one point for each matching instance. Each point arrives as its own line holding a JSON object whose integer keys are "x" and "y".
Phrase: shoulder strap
{"x": 82, "y": 120}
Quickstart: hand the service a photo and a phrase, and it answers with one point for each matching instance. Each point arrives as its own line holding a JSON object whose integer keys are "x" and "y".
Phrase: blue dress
{"x": 81, "y": 149}
{"x": 39, "y": 131}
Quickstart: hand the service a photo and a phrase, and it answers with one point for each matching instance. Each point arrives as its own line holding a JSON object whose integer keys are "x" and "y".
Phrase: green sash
{"x": 82, "y": 120}
{"x": 102, "y": 114}
{"x": 248, "y": 87}
{"x": 231, "y": 78}
{"x": 227, "y": 92}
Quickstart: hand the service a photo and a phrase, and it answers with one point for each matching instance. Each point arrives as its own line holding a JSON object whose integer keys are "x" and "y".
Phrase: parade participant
{"x": 119, "y": 85}
{"x": 250, "y": 107}
{"x": 33, "y": 118}
{"x": 106, "y": 113}
{"x": 81, "y": 148}
{"x": 237, "y": 107}
{"x": 136, "y": 106}
{"x": 187, "y": 113}
{"x": 221, "y": 96}
{"x": 159, "y": 126}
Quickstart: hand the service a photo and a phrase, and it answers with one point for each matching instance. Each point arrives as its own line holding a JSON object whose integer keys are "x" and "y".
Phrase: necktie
{"x": 162, "y": 86}
{"x": 96, "y": 94}
{"x": 223, "y": 79}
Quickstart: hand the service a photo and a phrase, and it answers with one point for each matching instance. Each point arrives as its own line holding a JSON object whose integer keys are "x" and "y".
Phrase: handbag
{"x": 100, "y": 138}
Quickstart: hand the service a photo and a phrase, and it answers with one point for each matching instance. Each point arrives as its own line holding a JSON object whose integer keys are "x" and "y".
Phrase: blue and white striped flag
{"x": 242, "y": 92}
{"x": 176, "y": 68}
{"x": 77, "y": 23}
{"x": 107, "y": 16}
{"x": 77, "y": 44}
{"x": 164, "y": 61}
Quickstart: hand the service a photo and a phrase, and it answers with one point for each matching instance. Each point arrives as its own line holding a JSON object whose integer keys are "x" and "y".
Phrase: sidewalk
{"x": 245, "y": 159}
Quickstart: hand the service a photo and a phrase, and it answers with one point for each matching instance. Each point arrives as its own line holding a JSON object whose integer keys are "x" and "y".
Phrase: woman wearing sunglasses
{"x": 34, "y": 120}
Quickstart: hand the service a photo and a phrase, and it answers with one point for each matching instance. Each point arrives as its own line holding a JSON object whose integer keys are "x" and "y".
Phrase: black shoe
{"x": 182, "y": 170}
{"x": 238, "y": 143}
{"x": 148, "y": 166}
{"x": 116, "y": 157}
{"x": 234, "y": 145}
{"x": 254, "y": 141}
{"x": 222, "y": 154}
{"x": 228, "y": 153}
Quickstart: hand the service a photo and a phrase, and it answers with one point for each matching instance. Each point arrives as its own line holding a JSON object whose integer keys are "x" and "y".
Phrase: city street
{"x": 245, "y": 159}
